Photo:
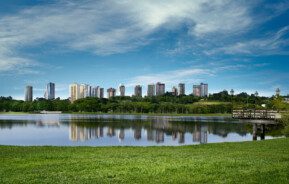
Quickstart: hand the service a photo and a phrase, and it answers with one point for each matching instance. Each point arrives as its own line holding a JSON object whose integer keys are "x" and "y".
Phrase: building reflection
{"x": 82, "y": 133}
{"x": 121, "y": 134}
{"x": 151, "y": 134}
{"x": 160, "y": 136}
{"x": 200, "y": 134}
{"x": 111, "y": 132}
{"x": 181, "y": 137}
{"x": 100, "y": 131}
{"x": 178, "y": 136}
{"x": 204, "y": 134}
{"x": 156, "y": 133}
{"x": 197, "y": 133}
{"x": 137, "y": 134}
{"x": 174, "y": 136}
{"x": 156, "y": 130}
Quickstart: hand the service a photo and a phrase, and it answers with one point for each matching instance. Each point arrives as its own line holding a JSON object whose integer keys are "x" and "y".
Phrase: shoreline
{"x": 145, "y": 114}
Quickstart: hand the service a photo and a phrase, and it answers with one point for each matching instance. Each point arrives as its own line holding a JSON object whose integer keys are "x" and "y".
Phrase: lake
{"x": 122, "y": 130}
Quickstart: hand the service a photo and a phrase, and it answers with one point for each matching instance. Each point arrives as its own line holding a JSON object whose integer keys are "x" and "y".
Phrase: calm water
{"x": 120, "y": 130}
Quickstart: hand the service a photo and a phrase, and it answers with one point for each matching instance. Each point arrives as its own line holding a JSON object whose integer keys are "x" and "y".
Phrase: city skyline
{"x": 227, "y": 44}
{"x": 79, "y": 91}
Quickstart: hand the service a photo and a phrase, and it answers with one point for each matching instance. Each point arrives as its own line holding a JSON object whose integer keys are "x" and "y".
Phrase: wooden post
{"x": 255, "y": 131}
{"x": 262, "y": 131}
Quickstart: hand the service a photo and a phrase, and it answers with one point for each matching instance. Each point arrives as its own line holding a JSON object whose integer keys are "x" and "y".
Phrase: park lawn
{"x": 210, "y": 103}
{"x": 246, "y": 162}
{"x": 13, "y": 113}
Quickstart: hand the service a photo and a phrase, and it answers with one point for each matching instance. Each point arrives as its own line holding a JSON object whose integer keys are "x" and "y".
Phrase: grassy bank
{"x": 247, "y": 162}
{"x": 14, "y": 113}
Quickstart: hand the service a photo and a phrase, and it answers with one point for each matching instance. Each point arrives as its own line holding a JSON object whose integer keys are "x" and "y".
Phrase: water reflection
{"x": 102, "y": 130}
{"x": 154, "y": 130}
{"x": 80, "y": 133}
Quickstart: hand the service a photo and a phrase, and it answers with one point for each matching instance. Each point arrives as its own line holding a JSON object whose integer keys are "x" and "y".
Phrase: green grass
{"x": 210, "y": 103}
{"x": 14, "y": 113}
{"x": 247, "y": 162}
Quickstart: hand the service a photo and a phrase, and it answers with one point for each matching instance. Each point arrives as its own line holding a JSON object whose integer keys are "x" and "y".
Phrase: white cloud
{"x": 270, "y": 44}
{"x": 109, "y": 27}
{"x": 18, "y": 65}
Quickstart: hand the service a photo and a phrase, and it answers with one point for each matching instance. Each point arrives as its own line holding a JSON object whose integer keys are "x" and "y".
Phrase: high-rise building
{"x": 204, "y": 90}
{"x": 181, "y": 89}
{"x": 121, "y": 90}
{"x": 197, "y": 90}
{"x": 160, "y": 88}
{"x": 111, "y": 92}
{"x": 200, "y": 90}
{"x": 50, "y": 91}
{"x": 100, "y": 92}
{"x": 86, "y": 90}
{"x": 94, "y": 91}
{"x": 28, "y": 93}
{"x": 81, "y": 91}
{"x": 74, "y": 90}
{"x": 151, "y": 90}
{"x": 78, "y": 91}
{"x": 175, "y": 91}
{"x": 138, "y": 90}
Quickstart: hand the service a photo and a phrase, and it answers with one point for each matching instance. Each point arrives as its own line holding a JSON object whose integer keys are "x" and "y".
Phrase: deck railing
{"x": 255, "y": 114}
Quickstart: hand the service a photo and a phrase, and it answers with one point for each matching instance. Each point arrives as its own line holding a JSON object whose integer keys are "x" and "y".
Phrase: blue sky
{"x": 236, "y": 44}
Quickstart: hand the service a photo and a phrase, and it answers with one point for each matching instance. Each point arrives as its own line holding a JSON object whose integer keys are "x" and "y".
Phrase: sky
{"x": 229, "y": 44}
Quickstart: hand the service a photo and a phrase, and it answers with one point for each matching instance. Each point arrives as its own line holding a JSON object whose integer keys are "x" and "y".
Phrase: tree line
{"x": 167, "y": 103}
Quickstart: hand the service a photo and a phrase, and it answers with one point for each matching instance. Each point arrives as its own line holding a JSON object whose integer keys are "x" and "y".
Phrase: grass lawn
{"x": 247, "y": 162}
{"x": 13, "y": 113}
{"x": 210, "y": 103}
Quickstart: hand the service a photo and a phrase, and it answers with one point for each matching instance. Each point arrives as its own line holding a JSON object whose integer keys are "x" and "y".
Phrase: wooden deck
{"x": 252, "y": 114}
